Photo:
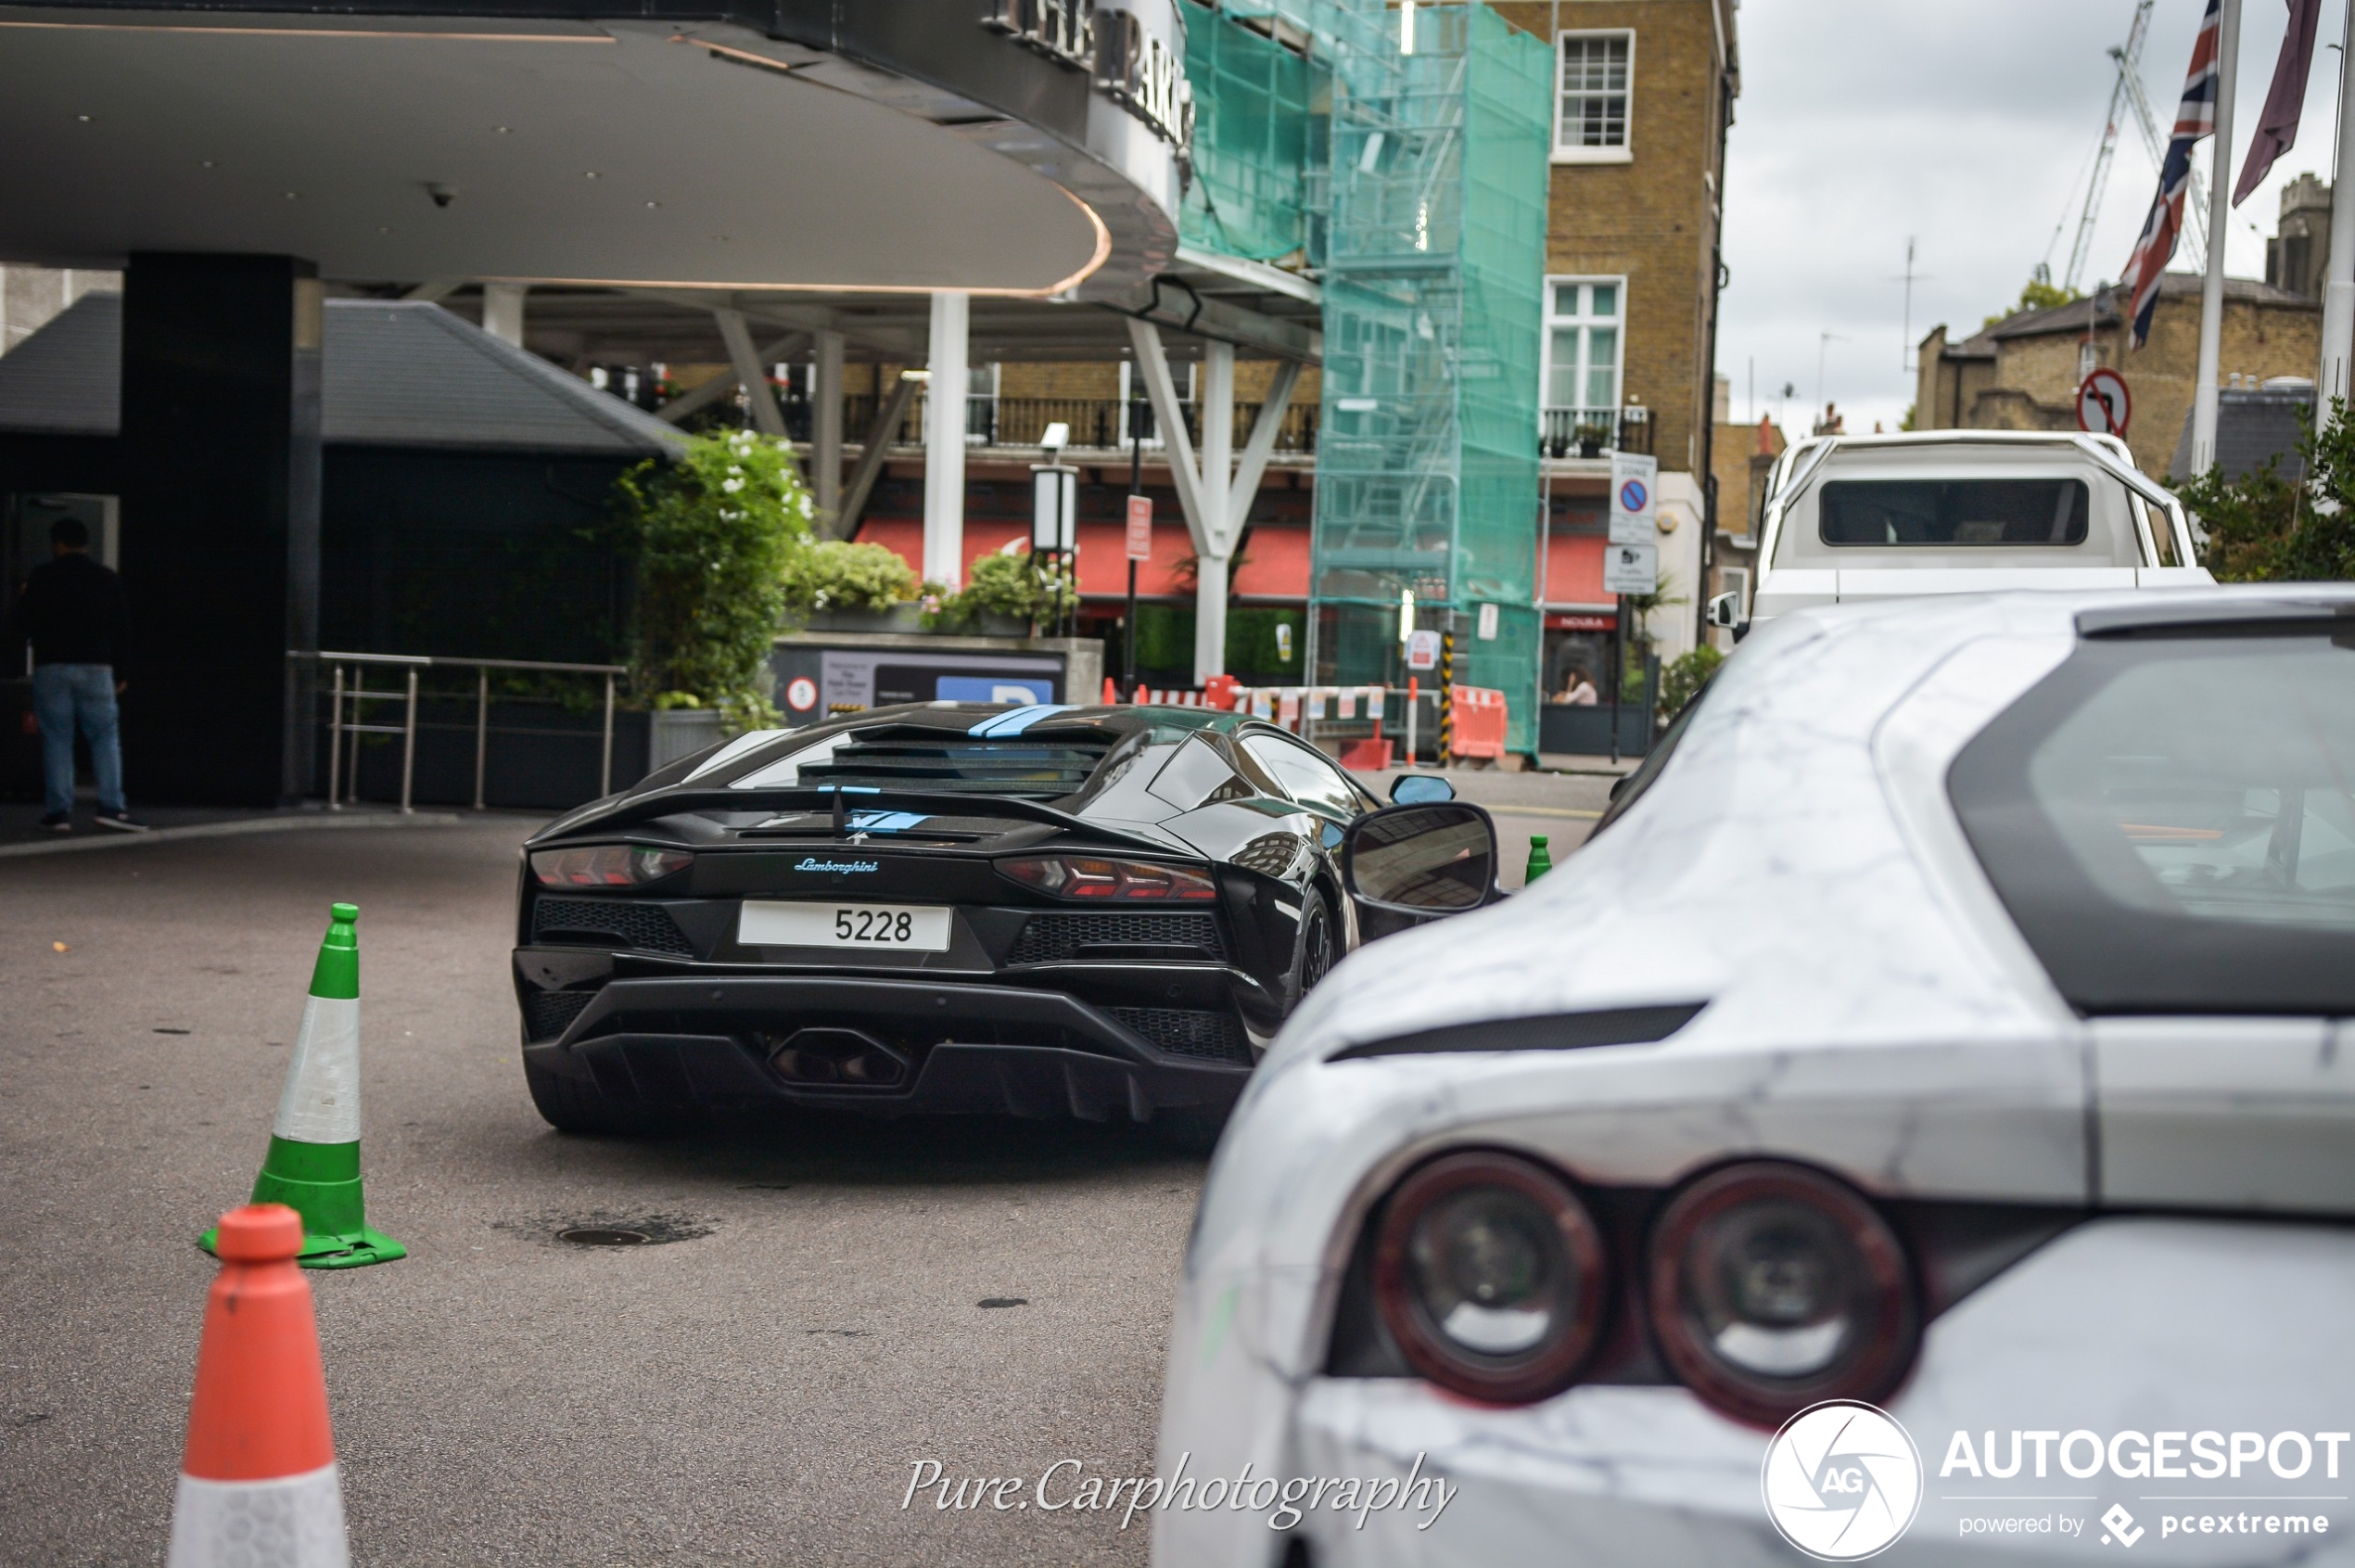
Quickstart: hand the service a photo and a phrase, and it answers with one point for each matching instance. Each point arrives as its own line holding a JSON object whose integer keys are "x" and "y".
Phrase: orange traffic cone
{"x": 258, "y": 1485}
{"x": 1111, "y": 692}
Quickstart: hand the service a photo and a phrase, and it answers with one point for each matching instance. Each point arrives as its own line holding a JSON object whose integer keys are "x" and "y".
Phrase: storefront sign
{"x": 1129, "y": 62}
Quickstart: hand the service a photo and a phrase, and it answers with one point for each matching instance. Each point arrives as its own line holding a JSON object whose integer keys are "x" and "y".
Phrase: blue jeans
{"x": 63, "y": 693}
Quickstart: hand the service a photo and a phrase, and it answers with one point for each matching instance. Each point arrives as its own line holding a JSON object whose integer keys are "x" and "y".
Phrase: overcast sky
{"x": 1970, "y": 128}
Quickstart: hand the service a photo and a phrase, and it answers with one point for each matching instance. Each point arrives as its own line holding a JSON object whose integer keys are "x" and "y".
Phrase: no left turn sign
{"x": 2102, "y": 404}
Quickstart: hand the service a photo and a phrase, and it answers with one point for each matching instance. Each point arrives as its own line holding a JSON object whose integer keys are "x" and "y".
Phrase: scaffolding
{"x": 1400, "y": 151}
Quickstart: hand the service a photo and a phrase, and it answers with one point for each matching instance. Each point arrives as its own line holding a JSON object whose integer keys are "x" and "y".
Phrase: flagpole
{"x": 2220, "y": 218}
{"x": 2339, "y": 289}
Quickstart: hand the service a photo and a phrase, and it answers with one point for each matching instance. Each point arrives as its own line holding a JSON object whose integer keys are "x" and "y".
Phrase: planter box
{"x": 899, "y": 617}
{"x": 679, "y": 731}
{"x": 1585, "y": 731}
{"x": 909, "y": 620}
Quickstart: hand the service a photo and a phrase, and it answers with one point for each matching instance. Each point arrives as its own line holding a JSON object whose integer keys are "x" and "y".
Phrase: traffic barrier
{"x": 1541, "y": 859}
{"x": 312, "y": 1165}
{"x": 258, "y": 1485}
{"x": 1478, "y": 727}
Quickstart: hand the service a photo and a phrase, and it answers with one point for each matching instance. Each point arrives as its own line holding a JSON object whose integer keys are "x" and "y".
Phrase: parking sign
{"x": 1634, "y": 498}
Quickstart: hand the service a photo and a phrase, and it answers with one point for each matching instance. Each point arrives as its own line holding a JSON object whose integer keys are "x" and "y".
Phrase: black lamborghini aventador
{"x": 1043, "y": 910}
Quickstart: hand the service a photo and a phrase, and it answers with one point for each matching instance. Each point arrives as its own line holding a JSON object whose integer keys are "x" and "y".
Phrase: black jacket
{"x": 71, "y": 611}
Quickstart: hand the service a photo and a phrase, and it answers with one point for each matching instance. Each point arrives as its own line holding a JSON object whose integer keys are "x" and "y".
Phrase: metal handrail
{"x": 407, "y": 728}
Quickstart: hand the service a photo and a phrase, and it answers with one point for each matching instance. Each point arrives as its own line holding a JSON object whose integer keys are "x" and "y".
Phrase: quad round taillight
{"x": 1489, "y": 1274}
{"x": 1774, "y": 1287}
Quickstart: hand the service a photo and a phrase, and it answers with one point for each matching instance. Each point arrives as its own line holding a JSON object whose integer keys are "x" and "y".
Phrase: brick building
{"x": 2022, "y": 373}
{"x": 1741, "y": 456}
{"x": 1645, "y": 96}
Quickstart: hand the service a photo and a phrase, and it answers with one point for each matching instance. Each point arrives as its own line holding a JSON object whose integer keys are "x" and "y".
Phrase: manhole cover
{"x": 603, "y": 1236}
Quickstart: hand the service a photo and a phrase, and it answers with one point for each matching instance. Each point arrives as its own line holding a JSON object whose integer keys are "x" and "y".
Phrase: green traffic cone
{"x": 313, "y": 1163}
{"x": 1540, "y": 862}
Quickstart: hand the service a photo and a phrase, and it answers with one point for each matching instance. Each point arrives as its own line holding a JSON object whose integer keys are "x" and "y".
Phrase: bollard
{"x": 1540, "y": 862}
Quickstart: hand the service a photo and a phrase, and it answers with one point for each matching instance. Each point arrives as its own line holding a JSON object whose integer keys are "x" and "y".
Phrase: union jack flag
{"x": 2194, "y": 118}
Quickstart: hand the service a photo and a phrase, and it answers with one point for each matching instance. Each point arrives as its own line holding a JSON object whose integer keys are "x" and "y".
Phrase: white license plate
{"x": 914, "y": 928}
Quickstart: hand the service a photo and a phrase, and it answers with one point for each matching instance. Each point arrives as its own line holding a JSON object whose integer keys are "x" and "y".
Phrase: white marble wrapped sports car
{"x": 1953, "y": 1015}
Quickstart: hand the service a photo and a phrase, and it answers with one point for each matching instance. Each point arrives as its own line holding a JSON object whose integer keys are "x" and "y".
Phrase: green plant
{"x": 711, "y": 534}
{"x": 2263, "y": 527}
{"x": 1006, "y": 583}
{"x": 1684, "y": 678}
{"x": 1638, "y": 608}
{"x": 837, "y": 575}
{"x": 2038, "y": 294}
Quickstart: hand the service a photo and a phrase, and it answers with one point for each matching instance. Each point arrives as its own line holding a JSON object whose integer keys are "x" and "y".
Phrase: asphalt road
{"x": 755, "y": 1388}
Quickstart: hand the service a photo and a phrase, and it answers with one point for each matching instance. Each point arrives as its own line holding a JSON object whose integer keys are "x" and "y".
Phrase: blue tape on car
{"x": 1018, "y": 719}
{"x": 886, "y": 821}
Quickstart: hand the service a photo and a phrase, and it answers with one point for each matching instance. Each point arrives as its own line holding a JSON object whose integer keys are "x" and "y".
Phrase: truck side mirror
{"x": 1726, "y": 610}
{"x": 1430, "y": 860}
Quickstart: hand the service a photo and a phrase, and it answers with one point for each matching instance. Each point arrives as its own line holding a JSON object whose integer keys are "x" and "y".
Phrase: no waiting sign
{"x": 2103, "y": 403}
{"x": 1634, "y": 495}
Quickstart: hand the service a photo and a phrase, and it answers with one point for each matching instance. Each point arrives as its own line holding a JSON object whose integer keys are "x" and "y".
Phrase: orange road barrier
{"x": 1478, "y": 729}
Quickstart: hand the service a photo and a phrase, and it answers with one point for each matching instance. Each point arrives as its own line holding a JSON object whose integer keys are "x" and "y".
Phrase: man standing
{"x": 71, "y": 611}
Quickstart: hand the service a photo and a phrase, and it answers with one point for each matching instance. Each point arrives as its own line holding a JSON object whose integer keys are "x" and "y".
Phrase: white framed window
{"x": 1592, "y": 75}
{"x": 1585, "y": 344}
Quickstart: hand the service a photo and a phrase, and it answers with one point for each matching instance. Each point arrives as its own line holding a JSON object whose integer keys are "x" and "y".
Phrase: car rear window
{"x": 2170, "y": 819}
{"x": 1043, "y": 767}
{"x": 1953, "y": 512}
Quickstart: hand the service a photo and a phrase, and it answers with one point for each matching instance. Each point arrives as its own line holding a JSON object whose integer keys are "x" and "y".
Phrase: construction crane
{"x": 2126, "y": 93}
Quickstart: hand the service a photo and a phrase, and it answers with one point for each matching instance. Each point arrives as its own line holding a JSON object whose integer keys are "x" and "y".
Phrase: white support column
{"x": 1169, "y": 418}
{"x": 1253, "y": 464}
{"x": 2220, "y": 216}
{"x": 751, "y": 374}
{"x": 1215, "y": 496}
{"x": 719, "y": 387}
{"x": 944, "y": 441}
{"x": 1212, "y": 563}
{"x": 2338, "y": 286}
{"x": 502, "y": 311}
{"x": 825, "y": 424}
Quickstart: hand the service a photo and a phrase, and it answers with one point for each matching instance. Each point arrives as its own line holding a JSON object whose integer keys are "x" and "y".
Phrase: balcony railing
{"x": 1592, "y": 432}
{"x": 1099, "y": 423}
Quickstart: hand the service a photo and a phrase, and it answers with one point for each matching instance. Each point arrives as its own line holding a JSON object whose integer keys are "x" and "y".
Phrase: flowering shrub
{"x": 713, "y": 535}
{"x": 837, "y": 575}
{"x": 1004, "y": 582}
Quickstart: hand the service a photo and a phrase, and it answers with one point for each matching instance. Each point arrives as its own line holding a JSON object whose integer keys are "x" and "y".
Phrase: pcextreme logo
{"x": 1842, "y": 1481}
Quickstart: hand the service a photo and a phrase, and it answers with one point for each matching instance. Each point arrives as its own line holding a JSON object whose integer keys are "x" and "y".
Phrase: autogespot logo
{"x": 1842, "y": 1479}
{"x": 813, "y": 863}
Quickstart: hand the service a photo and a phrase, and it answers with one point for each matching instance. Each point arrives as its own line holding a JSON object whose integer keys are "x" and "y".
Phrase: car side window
{"x": 1307, "y": 776}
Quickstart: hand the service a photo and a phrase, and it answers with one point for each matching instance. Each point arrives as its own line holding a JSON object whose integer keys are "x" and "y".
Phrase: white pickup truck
{"x": 1852, "y": 517}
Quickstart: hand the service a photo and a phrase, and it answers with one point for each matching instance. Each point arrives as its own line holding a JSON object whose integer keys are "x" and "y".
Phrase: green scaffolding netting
{"x": 1258, "y": 128}
{"x": 1427, "y": 476}
{"x": 1412, "y": 172}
